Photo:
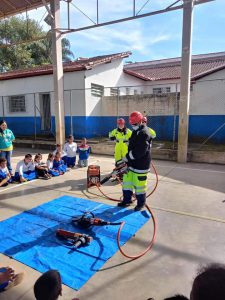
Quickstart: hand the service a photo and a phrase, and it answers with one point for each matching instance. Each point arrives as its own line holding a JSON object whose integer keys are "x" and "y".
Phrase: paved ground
{"x": 189, "y": 205}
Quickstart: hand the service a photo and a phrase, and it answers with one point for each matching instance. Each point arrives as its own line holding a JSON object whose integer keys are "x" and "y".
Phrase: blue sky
{"x": 149, "y": 38}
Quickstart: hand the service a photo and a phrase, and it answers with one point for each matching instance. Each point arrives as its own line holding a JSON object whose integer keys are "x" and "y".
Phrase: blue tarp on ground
{"x": 30, "y": 237}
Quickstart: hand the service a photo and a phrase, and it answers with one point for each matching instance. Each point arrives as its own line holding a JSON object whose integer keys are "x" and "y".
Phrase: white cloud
{"x": 139, "y": 36}
{"x": 119, "y": 38}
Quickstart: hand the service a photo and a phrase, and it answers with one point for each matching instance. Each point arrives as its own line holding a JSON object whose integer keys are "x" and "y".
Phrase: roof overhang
{"x": 9, "y": 8}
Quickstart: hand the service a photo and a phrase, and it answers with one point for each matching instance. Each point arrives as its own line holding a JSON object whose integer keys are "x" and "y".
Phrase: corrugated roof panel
{"x": 11, "y": 7}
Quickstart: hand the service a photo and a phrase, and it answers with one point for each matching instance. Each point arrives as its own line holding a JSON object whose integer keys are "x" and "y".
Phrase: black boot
{"x": 126, "y": 199}
{"x": 124, "y": 204}
{"x": 141, "y": 199}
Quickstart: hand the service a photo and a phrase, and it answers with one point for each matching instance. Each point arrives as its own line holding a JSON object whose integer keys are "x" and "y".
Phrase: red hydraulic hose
{"x": 151, "y": 243}
{"x": 156, "y": 181}
{"x": 117, "y": 200}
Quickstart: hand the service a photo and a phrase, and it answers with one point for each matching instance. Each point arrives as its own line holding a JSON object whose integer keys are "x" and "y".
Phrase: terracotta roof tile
{"x": 169, "y": 69}
{"x": 78, "y": 65}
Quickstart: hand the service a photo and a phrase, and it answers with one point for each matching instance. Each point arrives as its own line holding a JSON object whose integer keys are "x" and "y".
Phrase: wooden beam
{"x": 10, "y": 4}
{"x": 28, "y": 2}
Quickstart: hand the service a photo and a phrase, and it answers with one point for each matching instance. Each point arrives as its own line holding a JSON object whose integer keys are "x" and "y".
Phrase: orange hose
{"x": 156, "y": 182}
{"x": 117, "y": 200}
{"x": 106, "y": 196}
{"x": 151, "y": 243}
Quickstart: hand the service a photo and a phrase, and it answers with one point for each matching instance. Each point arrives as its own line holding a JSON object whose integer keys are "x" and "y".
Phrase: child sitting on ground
{"x": 25, "y": 169}
{"x": 41, "y": 169}
{"x": 5, "y": 177}
{"x": 48, "y": 286}
{"x": 84, "y": 151}
{"x": 63, "y": 153}
{"x": 51, "y": 170}
{"x": 58, "y": 164}
{"x": 71, "y": 148}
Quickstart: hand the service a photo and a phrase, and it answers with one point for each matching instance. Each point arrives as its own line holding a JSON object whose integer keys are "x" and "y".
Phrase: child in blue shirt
{"x": 49, "y": 163}
{"x": 58, "y": 164}
{"x": 63, "y": 153}
{"x": 84, "y": 151}
{"x": 5, "y": 176}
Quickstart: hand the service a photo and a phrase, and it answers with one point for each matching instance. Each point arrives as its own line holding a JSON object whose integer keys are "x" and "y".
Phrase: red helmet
{"x": 135, "y": 117}
{"x": 144, "y": 120}
{"x": 120, "y": 121}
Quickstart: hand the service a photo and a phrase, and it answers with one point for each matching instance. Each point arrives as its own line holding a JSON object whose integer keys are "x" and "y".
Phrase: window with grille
{"x": 97, "y": 90}
{"x": 114, "y": 91}
{"x": 161, "y": 90}
{"x": 17, "y": 104}
{"x": 127, "y": 91}
{"x": 135, "y": 92}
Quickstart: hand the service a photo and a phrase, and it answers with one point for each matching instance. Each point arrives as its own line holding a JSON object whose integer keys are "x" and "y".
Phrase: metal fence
{"x": 160, "y": 108}
{"x": 93, "y": 112}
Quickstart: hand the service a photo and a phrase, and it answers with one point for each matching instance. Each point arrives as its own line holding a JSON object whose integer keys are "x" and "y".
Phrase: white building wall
{"x": 208, "y": 95}
{"x": 174, "y": 85}
{"x": 30, "y": 87}
{"x": 33, "y": 87}
{"x": 74, "y": 93}
{"x": 107, "y": 75}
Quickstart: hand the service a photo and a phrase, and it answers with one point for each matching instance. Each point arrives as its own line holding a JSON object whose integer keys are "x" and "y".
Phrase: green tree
{"x": 16, "y": 30}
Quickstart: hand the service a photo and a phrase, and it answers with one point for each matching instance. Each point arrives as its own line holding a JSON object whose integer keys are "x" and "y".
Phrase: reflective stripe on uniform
{"x": 139, "y": 188}
{"x": 128, "y": 182}
{"x": 127, "y": 189}
{"x": 140, "y": 193}
{"x": 135, "y": 181}
{"x": 131, "y": 155}
{"x": 138, "y": 171}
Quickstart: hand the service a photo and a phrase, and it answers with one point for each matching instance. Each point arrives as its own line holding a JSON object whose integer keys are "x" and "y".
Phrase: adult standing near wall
{"x": 121, "y": 136}
{"x": 6, "y": 146}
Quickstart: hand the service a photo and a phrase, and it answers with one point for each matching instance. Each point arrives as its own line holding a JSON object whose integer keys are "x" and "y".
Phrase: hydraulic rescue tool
{"x": 88, "y": 219}
{"x": 76, "y": 239}
{"x": 118, "y": 171}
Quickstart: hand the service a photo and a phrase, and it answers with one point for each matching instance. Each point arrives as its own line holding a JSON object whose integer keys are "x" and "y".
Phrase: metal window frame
{"x": 16, "y": 98}
{"x": 114, "y": 91}
{"x": 161, "y": 90}
{"x": 127, "y": 91}
{"x": 97, "y": 90}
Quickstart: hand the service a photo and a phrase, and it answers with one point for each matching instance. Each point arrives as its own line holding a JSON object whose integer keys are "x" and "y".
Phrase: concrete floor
{"x": 189, "y": 206}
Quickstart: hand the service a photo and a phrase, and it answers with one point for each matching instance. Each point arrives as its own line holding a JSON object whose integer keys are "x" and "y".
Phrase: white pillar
{"x": 185, "y": 81}
{"x": 57, "y": 73}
